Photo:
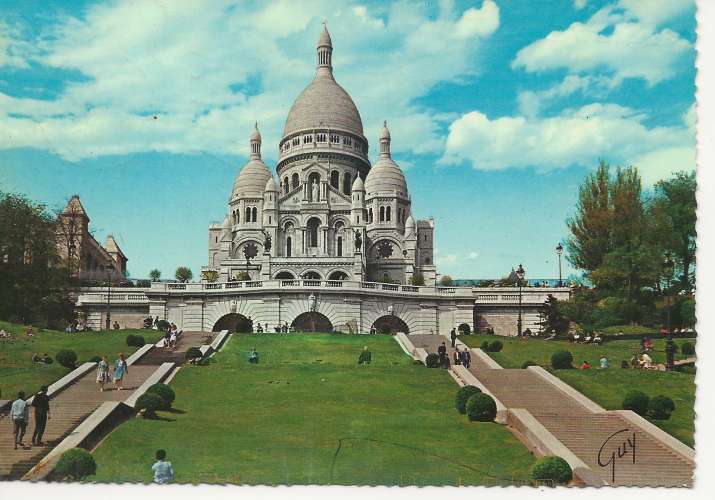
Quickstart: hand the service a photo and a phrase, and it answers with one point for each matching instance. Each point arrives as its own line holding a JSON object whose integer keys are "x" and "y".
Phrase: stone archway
{"x": 285, "y": 275}
{"x": 312, "y": 322}
{"x": 338, "y": 276}
{"x": 234, "y": 323}
{"x": 464, "y": 329}
{"x": 390, "y": 324}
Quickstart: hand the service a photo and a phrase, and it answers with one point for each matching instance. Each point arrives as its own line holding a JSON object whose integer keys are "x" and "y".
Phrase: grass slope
{"x": 17, "y": 371}
{"x": 609, "y": 387}
{"x": 307, "y": 414}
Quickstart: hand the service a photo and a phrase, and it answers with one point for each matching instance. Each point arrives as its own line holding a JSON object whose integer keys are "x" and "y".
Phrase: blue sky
{"x": 497, "y": 110}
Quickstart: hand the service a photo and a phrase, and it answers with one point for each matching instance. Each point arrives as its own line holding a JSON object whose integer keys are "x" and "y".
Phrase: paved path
{"x": 580, "y": 429}
{"x": 75, "y": 403}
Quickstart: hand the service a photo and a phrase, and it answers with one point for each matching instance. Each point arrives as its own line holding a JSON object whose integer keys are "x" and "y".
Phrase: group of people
{"x": 603, "y": 363}
{"x": 643, "y": 361}
{"x": 284, "y": 328}
{"x": 594, "y": 338}
{"x": 171, "y": 336}
{"x": 120, "y": 370}
{"x": 20, "y": 413}
{"x": 45, "y": 359}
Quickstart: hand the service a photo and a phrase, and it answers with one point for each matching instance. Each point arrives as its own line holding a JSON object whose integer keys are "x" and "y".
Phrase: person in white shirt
{"x": 19, "y": 415}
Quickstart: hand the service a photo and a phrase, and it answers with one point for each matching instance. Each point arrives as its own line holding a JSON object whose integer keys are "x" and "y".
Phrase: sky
{"x": 497, "y": 109}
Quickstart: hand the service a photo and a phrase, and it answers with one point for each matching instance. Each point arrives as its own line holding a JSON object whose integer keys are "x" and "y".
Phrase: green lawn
{"x": 17, "y": 371}
{"x": 608, "y": 387}
{"x": 307, "y": 414}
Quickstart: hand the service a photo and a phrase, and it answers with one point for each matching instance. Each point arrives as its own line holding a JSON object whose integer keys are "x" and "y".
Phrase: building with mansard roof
{"x": 327, "y": 213}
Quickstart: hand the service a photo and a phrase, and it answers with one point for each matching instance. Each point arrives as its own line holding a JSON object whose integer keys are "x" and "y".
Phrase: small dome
{"x": 251, "y": 180}
{"x": 386, "y": 177}
{"x": 256, "y": 135}
{"x": 271, "y": 185}
{"x": 358, "y": 185}
{"x": 324, "y": 40}
{"x": 410, "y": 222}
{"x": 226, "y": 222}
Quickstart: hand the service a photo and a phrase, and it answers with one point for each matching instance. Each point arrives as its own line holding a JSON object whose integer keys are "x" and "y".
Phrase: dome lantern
{"x": 325, "y": 52}
{"x": 385, "y": 141}
{"x": 255, "y": 143}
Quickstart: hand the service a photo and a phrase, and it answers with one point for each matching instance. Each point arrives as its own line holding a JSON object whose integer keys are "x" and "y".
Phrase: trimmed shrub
{"x": 528, "y": 363}
{"x": 165, "y": 392}
{"x": 432, "y": 360}
{"x": 66, "y": 358}
{"x": 75, "y": 464}
{"x": 561, "y": 360}
{"x": 496, "y": 346}
{"x": 687, "y": 349}
{"x": 552, "y": 469}
{"x": 135, "y": 340}
{"x": 481, "y": 407}
{"x": 94, "y": 359}
{"x": 150, "y": 403}
{"x": 636, "y": 401}
{"x": 163, "y": 324}
{"x": 484, "y": 346}
{"x": 193, "y": 352}
{"x": 660, "y": 407}
{"x": 463, "y": 395}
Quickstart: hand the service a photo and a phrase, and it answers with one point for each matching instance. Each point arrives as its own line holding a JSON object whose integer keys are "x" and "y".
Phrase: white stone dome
{"x": 358, "y": 185}
{"x": 385, "y": 176}
{"x": 271, "y": 185}
{"x": 251, "y": 180}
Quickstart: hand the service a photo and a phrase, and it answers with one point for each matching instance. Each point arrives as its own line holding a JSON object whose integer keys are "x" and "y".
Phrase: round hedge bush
{"x": 75, "y": 464}
{"x": 636, "y": 401}
{"x": 481, "y": 408}
{"x": 484, "y": 346}
{"x": 163, "y": 324}
{"x": 150, "y": 403}
{"x": 135, "y": 340}
{"x": 687, "y": 349}
{"x": 94, "y": 359}
{"x": 165, "y": 392}
{"x": 496, "y": 346}
{"x": 463, "y": 395}
{"x": 552, "y": 469}
{"x": 193, "y": 352}
{"x": 432, "y": 360}
{"x": 528, "y": 363}
{"x": 660, "y": 407}
{"x": 561, "y": 360}
{"x": 67, "y": 358}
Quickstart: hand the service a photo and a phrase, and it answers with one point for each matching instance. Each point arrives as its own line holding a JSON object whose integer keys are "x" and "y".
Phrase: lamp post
{"x": 668, "y": 266}
{"x": 107, "y": 322}
{"x": 559, "y": 251}
{"x": 519, "y": 276}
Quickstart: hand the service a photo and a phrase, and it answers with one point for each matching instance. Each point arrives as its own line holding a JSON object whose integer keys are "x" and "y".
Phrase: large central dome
{"x": 324, "y": 104}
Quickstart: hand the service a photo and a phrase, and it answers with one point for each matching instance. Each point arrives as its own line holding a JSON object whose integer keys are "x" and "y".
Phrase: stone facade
{"x": 330, "y": 214}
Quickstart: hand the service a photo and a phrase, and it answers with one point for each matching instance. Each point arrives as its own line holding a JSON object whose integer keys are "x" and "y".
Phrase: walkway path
{"x": 75, "y": 403}
{"x": 583, "y": 430}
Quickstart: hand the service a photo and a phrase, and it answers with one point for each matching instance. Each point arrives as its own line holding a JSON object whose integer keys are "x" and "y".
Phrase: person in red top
{"x": 585, "y": 365}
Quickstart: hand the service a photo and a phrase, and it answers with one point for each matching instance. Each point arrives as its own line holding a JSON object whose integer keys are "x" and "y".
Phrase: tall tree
{"x": 183, "y": 274}
{"x": 155, "y": 274}
{"x": 590, "y": 228}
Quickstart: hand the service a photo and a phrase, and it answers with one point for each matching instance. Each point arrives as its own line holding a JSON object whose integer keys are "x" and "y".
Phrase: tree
{"x": 446, "y": 280}
{"x": 417, "y": 279}
{"x": 553, "y": 320}
{"x": 183, "y": 274}
{"x": 155, "y": 274}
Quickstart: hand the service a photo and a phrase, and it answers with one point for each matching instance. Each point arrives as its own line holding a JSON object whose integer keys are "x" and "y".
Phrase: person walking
{"x": 41, "y": 403}
{"x": 163, "y": 471}
{"x": 453, "y": 336}
{"x": 102, "y": 373}
{"x": 443, "y": 359}
{"x": 19, "y": 416}
{"x": 120, "y": 370}
{"x": 466, "y": 358}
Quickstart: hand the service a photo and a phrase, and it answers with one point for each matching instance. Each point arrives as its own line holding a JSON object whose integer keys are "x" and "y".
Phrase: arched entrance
{"x": 390, "y": 324}
{"x": 312, "y": 322}
{"x": 337, "y": 276}
{"x": 233, "y": 322}
{"x": 311, "y": 275}
{"x": 285, "y": 275}
{"x": 464, "y": 329}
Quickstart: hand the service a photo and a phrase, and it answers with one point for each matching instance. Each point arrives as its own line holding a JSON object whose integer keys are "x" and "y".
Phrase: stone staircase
{"x": 591, "y": 435}
{"x": 186, "y": 340}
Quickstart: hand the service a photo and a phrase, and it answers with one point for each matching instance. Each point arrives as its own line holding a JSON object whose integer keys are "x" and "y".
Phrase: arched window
{"x": 382, "y": 214}
{"x": 248, "y": 215}
{"x": 335, "y": 179}
{"x": 312, "y": 226}
{"x": 340, "y": 246}
{"x": 289, "y": 246}
{"x": 347, "y": 183}
{"x": 369, "y": 216}
{"x": 388, "y": 212}
{"x": 285, "y": 185}
{"x": 295, "y": 180}
{"x": 255, "y": 215}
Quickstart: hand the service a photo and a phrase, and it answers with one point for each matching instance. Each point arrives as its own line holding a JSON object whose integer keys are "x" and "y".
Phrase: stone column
{"x": 266, "y": 266}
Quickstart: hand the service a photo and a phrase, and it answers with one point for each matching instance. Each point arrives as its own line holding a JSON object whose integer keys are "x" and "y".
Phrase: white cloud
{"x": 574, "y": 137}
{"x": 579, "y": 4}
{"x": 620, "y": 41}
{"x": 656, "y": 12}
{"x": 531, "y": 101}
{"x": 208, "y": 69}
{"x": 472, "y": 255}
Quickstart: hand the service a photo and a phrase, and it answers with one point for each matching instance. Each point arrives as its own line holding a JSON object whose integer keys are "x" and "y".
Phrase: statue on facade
{"x": 267, "y": 242}
{"x": 358, "y": 240}
{"x": 315, "y": 194}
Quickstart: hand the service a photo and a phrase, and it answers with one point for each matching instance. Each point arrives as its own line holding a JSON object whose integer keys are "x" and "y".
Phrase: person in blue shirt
{"x": 19, "y": 416}
{"x": 163, "y": 471}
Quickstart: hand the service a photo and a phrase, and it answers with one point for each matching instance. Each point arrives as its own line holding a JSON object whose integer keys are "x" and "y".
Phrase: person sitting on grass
{"x": 259, "y": 328}
{"x": 163, "y": 471}
{"x": 635, "y": 362}
{"x": 253, "y": 356}
{"x": 646, "y": 361}
{"x": 46, "y": 359}
{"x": 36, "y": 359}
{"x": 603, "y": 362}
{"x": 365, "y": 357}
{"x": 3, "y": 334}
{"x": 585, "y": 365}
{"x": 30, "y": 332}
{"x": 597, "y": 339}
{"x": 647, "y": 344}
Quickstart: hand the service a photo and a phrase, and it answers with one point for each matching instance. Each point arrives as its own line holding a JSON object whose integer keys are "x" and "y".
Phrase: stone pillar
{"x": 192, "y": 315}
{"x": 266, "y": 267}
{"x": 357, "y": 267}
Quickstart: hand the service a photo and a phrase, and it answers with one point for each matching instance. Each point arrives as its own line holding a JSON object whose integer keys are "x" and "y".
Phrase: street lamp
{"x": 559, "y": 251}
{"x": 107, "y": 322}
{"x": 668, "y": 266}
{"x": 519, "y": 276}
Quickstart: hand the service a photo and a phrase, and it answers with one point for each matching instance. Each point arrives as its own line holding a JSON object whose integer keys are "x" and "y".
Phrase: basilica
{"x": 329, "y": 214}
